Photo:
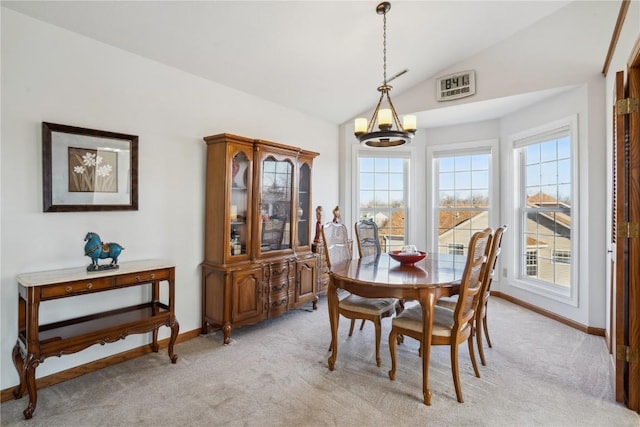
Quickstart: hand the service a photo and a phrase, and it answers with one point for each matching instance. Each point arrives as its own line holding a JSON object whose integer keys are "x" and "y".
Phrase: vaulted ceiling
{"x": 323, "y": 58}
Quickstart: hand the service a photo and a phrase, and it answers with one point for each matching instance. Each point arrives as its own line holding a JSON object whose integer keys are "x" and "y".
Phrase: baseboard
{"x": 77, "y": 371}
{"x": 586, "y": 329}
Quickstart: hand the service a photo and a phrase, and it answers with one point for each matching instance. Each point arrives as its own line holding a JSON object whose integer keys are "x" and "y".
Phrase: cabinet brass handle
{"x": 137, "y": 278}
{"x": 69, "y": 289}
{"x": 153, "y": 275}
{"x": 89, "y": 285}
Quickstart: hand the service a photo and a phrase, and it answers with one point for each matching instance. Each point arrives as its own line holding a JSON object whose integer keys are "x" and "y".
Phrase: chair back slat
{"x": 492, "y": 260}
{"x": 471, "y": 283}
{"x": 336, "y": 243}
{"x": 367, "y": 237}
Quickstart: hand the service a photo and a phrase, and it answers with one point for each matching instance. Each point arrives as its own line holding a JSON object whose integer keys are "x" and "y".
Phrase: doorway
{"x": 625, "y": 236}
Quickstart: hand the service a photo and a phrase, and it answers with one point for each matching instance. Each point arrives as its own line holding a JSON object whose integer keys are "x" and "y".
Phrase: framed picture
{"x": 88, "y": 169}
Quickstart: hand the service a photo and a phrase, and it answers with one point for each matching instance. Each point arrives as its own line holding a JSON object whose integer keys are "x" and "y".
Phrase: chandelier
{"x": 390, "y": 133}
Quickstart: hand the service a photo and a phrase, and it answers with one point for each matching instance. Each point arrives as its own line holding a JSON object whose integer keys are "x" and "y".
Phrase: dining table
{"x": 379, "y": 276}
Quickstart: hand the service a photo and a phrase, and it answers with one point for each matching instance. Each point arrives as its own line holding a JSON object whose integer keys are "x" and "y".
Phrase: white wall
{"x": 591, "y": 214}
{"x": 50, "y": 74}
{"x": 555, "y": 52}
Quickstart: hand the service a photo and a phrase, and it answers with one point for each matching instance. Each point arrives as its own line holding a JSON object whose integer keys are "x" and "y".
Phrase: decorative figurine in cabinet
{"x": 258, "y": 259}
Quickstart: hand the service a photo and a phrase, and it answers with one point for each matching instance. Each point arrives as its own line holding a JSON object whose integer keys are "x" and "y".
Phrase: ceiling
{"x": 323, "y": 58}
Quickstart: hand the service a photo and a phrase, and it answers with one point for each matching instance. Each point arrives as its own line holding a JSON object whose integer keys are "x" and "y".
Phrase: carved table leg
{"x": 18, "y": 362}
{"x": 154, "y": 342}
{"x": 315, "y": 302}
{"x": 175, "y": 327}
{"x": 30, "y": 375}
{"x": 332, "y": 297}
{"x": 428, "y": 302}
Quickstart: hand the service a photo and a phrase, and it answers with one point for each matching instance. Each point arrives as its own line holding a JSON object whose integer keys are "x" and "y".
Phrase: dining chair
{"x": 485, "y": 292}
{"x": 480, "y": 320}
{"x": 367, "y": 238}
{"x": 336, "y": 245}
{"x": 450, "y": 327}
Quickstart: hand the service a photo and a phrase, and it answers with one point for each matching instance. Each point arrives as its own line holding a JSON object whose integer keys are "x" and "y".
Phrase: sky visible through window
{"x": 464, "y": 181}
{"x": 548, "y": 169}
{"x": 382, "y": 197}
{"x": 381, "y": 182}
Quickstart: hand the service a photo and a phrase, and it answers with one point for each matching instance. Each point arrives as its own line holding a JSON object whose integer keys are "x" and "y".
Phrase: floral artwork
{"x": 93, "y": 170}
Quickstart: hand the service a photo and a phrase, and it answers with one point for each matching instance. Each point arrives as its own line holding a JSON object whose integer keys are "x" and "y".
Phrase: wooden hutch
{"x": 258, "y": 260}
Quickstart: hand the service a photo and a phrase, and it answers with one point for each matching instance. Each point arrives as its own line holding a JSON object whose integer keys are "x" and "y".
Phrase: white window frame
{"x": 405, "y": 153}
{"x": 517, "y": 142}
{"x": 434, "y": 152}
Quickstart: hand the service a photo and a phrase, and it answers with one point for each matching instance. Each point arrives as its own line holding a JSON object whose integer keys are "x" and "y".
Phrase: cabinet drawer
{"x": 278, "y": 305}
{"x": 142, "y": 277}
{"x": 279, "y": 272}
{"x": 282, "y": 286}
{"x": 83, "y": 286}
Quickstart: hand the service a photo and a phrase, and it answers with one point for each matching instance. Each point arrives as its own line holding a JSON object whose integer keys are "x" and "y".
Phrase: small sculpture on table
{"x": 336, "y": 214}
{"x": 95, "y": 249}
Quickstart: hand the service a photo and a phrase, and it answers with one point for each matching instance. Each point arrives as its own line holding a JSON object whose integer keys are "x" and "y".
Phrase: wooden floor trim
{"x": 77, "y": 371}
{"x": 586, "y": 329}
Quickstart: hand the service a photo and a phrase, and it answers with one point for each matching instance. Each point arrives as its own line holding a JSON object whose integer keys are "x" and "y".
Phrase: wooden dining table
{"x": 380, "y": 276}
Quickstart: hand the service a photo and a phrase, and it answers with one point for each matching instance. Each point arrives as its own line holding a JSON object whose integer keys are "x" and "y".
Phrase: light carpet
{"x": 539, "y": 373}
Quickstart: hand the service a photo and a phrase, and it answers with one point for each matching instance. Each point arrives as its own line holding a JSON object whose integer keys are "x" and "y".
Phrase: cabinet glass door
{"x": 304, "y": 205}
{"x": 275, "y": 204}
{"x": 239, "y": 203}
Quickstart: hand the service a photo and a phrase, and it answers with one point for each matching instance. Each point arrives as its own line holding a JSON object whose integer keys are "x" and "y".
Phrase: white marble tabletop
{"x": 80, "y": 273}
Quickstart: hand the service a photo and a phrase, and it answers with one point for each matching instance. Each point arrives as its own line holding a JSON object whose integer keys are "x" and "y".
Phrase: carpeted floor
{"x": 539, "y": 373}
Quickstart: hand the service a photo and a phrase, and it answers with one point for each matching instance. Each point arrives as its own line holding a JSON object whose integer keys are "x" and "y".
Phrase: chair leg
{"x": 393, "y": 339}
{"x": 485, "y": 327}
{"x": 378, "y": 333}
{"x": 362, "y": 324}
{"x": 455, "y": 372}
{"x": 472, "y": 355}
{"x": 353, "y": 322}
{"x": 478, "y": 331}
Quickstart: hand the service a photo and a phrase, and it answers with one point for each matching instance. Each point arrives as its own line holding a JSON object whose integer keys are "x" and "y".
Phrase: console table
{"x": 36, "y": 342}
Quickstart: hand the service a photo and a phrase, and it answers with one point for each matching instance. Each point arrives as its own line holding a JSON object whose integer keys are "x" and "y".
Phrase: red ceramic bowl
{"x": 407, "y": 259}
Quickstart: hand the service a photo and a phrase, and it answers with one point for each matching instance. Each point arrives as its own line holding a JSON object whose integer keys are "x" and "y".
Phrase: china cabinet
{"x": 258, "y": 260}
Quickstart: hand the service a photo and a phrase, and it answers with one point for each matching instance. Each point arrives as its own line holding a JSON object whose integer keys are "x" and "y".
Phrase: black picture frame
{"x": 88, "y": 169}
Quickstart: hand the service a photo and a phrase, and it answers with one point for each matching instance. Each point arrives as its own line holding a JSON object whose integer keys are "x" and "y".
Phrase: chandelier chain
{"x": 384, "y": 47}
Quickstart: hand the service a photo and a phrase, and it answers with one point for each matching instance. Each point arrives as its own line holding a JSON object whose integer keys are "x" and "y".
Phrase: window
{"x": 532, "y": 263}
{"x": 563, "y": 257}
{"x": 456, "y": 248}
{"x": 462, "y": 188}
{"x": 546, "y": 197}
{"x": 382, "y": 195}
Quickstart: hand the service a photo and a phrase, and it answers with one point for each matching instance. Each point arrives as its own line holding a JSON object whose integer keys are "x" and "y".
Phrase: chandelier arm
{"x": 396, "y": 119}
{"x": 372, "y": 122}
